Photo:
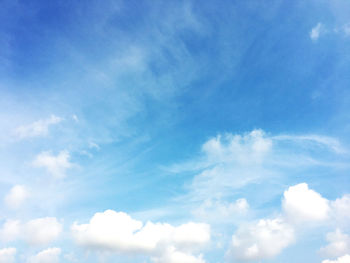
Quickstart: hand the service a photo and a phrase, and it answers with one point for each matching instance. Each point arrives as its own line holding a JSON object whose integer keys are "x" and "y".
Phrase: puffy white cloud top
{"x": 117, "y": 231}
{"x": 302, "y": 204}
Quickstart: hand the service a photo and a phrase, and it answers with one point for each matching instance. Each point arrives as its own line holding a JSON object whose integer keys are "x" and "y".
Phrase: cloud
{"x": 7, "y": 255}
{"x": 50, "y": 255}
{"x": 341, "y": 209}
{"x": 229, "y": 162}
{"x": 10, "y": 230}
{"x": 17, "y": 195}
{"x": 38, "y": 128}
{"x": 343, "y": 259}
{"x": 302, "y": 204}
{"x": 262, "y": 240}
{"x": 40, "y": 231}
{"x": 268, "y": 237}
{"x": 55, "y": 165}
{"x": 221, "y": 211}
{"x": 339, "y": 244}
{"x": 316, "y": 32}
{"x": 118, "y": 232}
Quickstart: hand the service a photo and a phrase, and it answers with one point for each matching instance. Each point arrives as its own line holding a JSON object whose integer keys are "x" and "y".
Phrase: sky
{"x": 174, "y": 131}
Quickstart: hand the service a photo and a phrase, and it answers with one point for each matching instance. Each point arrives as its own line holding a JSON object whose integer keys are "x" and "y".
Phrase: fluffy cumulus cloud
{"x": 37, "y": 128}
{"x": 342, "y": 259}
{"x": 55, "y": 165}
{"x": 268, "y": 237}
{"x": 50, "y": 255}
{"x": 17, "y": 195}
{"x": 7, "y": 255}
{"x": 302, "y": 204}
{"x": 262, "y": 240}
{"x": 118, "y": 232}
{"x": 339, "y": 244}
{"x": 40, "y": 231}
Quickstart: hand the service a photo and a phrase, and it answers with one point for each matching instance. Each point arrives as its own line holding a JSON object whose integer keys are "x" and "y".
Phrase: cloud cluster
{"x": 40, "y": 231}
{"x": 164, "y": 243}
{"x": 268, "y": 237}
{"x": 37, "y": 128}
{"x": 234, "y": 161}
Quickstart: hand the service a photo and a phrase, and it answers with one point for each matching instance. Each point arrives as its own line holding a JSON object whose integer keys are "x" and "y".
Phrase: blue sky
{"x": 174, "y": 131}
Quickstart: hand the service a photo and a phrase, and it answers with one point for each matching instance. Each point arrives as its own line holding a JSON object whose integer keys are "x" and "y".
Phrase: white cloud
{"x": 10, "y": 230}
{"x": 233, "y": 161}
{"x": 220, "y": 211}
{"x": 171, "y": 255}
{"x": 316, "y": 32}
{"x": 249, "y": 148}
{"x": 7, "y": 255}
{"x": 341, "y": 209}
{"x": 50, "y": 255}
{"x": 40, "y": 231}
{"x": 339, "y": 244}
{"x": 55, "y": 165}
{"x": 262, "y": 240}
{"x": 38, "y": 128}
{"x": 302, "y": 204}
{"x": 268, "y": 237}
{"x": 342, "y": 259}
{"x": 118, "y": 232}
{"x": 17, "y": 195}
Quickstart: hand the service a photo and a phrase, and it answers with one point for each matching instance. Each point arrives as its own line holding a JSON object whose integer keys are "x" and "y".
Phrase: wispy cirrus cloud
{"x": 229, "y": 162}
